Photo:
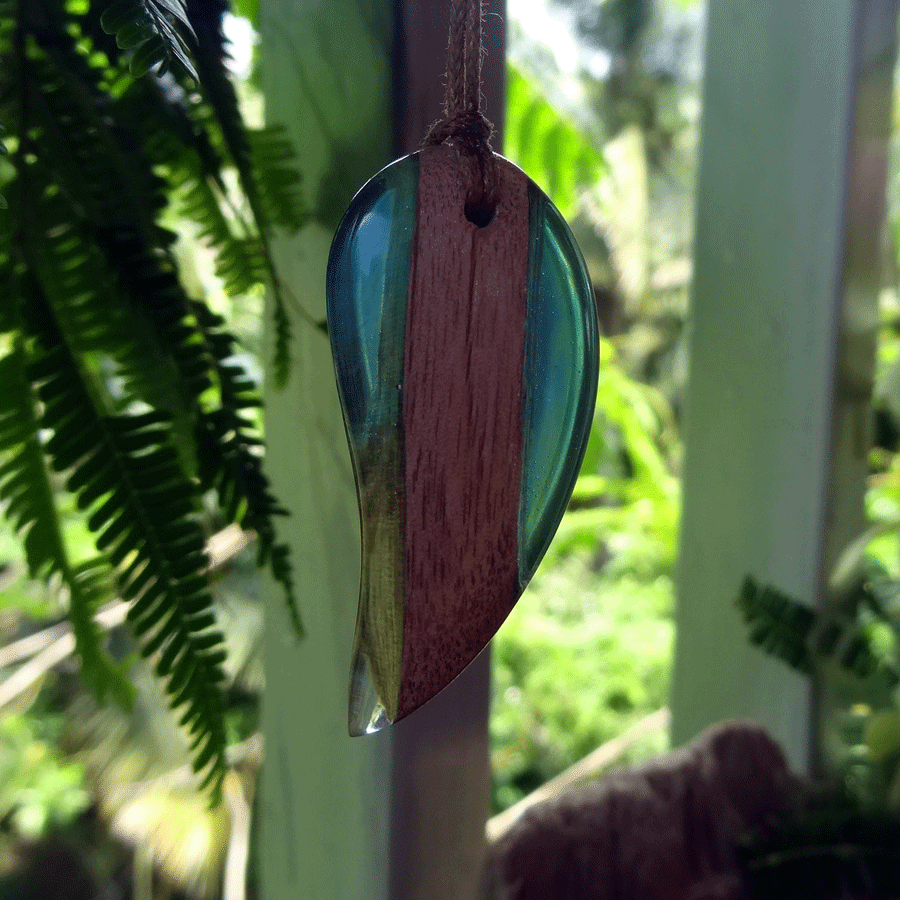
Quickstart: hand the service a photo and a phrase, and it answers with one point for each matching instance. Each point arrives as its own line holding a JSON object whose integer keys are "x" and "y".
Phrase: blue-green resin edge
{"x": 366, "y": 307}
{"x": 564, "y": 354}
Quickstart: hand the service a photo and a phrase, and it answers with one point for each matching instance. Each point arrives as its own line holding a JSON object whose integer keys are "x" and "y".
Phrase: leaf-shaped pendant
{"x": 466, "y": 362}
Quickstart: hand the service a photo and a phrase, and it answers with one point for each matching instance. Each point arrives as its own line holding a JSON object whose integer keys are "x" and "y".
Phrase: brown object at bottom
{"x": 662, "y": 831}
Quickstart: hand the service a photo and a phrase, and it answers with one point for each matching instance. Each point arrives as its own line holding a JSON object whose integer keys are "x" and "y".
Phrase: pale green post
{"x": 790, "y": 213}
{"x": 324, "y": 803}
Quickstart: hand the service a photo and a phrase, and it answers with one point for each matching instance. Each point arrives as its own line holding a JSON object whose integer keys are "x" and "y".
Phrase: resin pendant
{"x": 466, "y": 362}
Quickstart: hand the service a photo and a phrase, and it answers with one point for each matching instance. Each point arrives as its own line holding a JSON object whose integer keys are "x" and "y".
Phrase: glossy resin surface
{"x": 466, "y": 361}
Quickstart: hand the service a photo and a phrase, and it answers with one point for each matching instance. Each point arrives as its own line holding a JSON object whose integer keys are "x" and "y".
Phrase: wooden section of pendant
{"x": 466, "y": 362}
{"x": 462, "y": 416}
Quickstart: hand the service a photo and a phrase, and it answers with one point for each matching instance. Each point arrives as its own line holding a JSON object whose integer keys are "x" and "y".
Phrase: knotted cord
{"x": 463, "y": 124}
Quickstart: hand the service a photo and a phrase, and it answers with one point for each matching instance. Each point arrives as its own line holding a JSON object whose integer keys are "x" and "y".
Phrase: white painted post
{"x": 790, "y": 213}
{"x": 325, "y": 800}
{"x": 399, "y": 814}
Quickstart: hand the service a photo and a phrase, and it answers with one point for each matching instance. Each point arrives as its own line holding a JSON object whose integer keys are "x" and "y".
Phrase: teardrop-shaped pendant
{"x": 466, "y": 361}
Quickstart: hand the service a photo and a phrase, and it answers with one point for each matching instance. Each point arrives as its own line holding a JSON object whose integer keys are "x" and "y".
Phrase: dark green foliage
{"x": 808, "y": 640}
{"x": 263, "y": 165}
{"x": 155, "y": 31}
{"x": 829, "y": 847}
{"x": 111, "y": 374}
{"x": 26, "y": 486}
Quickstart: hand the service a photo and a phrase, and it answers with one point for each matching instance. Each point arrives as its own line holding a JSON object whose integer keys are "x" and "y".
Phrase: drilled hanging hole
{"x": 480, "y": 214}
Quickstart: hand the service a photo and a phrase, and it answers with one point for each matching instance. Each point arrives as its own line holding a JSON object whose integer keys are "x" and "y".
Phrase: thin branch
{"x": 35, "y": 669}
{"x": 47, "y": 648}
{"x": 29, "y": 646}
{"x": 234, "y": 879}
{"x": 592, "y": 764}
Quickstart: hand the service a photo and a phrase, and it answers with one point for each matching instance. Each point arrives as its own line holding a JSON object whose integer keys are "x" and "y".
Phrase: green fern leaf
{"x": 279, "y": 181}
{"x": 240, "y": 261}
{"x": 25, "y": 487}
{"x": 281, "y": 357}
{"x": 271, "y": 146}
{"x": 100, "y": 168}
{"x": 232, "y": 463}
{"x": 158, "y": 31}
{"x": 121, "y": 371}
{"x": 125, "y": 470}
{"x": 203, "y": 353}
{"x": 114, "y": 338}
{"x": 808, "y": 641}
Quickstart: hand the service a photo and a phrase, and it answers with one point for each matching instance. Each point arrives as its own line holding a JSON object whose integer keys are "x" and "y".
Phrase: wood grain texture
{"x": 462, "y": 401}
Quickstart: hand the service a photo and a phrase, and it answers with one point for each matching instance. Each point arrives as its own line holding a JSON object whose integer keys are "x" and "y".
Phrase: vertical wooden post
{"x": 399, "y": 814}
{"x": 790, "y": 213}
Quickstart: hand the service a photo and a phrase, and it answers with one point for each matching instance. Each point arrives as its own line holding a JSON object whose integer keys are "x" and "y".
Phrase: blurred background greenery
{"x": 603, "y": 112}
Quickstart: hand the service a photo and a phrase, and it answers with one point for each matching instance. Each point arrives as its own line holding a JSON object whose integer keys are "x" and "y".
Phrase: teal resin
{"x": 560, "y": 380}
{"x": 368, "y": 277}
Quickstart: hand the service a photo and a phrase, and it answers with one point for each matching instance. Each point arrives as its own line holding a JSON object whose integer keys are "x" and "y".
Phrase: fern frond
{"x": 202, "y": 352}
{"x": 240, "y": 261}
{"x": 125, "y": 473}
{"x": 100, "y": 168}
{"x": 142, "y": 509}
{"x": 26, "y": 490}
{"x": 123, "y": 384}
{"x": 274, "y": 163}
{"x": 212, "y": 53}
{"x": 219, "y": 394}
{"x": 193, "y": 169}
{"x": 808, "y": 640}
{"x": 155, "y": 31}
{"x": 263, "y": 160}
{"x": 113, "y": 339}
{"x": 779, "y": 625}
{"x": 272, "y": 147}
{"x": 281, "y": 356}
{"x": 232, "y": 465}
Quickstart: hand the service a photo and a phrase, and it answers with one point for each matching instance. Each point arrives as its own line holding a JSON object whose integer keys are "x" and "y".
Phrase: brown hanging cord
{"x": 464, "y": 124}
